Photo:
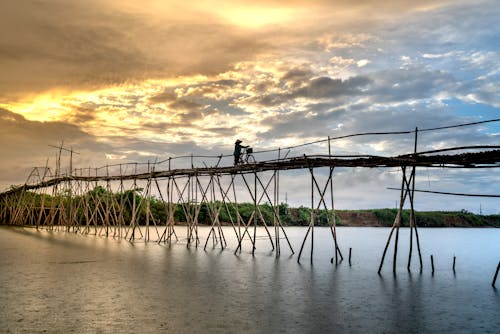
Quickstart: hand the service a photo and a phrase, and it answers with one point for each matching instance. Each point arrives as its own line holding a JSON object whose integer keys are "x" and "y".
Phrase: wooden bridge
{"x": 117, "y": 201}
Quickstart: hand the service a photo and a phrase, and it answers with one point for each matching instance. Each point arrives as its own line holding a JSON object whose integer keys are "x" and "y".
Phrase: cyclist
{"x": 237, "y": 151}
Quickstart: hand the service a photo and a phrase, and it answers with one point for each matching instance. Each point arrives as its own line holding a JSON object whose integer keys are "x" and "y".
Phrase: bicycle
{"x": 247, "y": 156}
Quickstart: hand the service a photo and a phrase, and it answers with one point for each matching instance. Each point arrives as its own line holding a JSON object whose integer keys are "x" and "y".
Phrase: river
{"x": 60, "y": 282}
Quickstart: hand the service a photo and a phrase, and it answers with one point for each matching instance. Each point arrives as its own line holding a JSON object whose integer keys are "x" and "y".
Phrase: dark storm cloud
{"x": 326, "y": 87}
{"x": 223, "y": 131}
{"x": 385, "y": 86}
{"x": 187, "y": 111}
{"x": 165, "y": 96}
{"x": 156, "y": 126}
{"x": 83, "y": 113}
{"x": 185, "y": 105}
{"x": 319, "y": 88}
{"x": 226, "y": 83}
{"x": 297, "y": 74}
{"x": 65, "y": 45}
{"x": 84, "y": 44}
{"x": 296, "y": 77}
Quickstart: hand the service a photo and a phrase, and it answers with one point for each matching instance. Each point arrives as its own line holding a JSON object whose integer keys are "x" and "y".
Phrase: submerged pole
{"x": 397, "y": 220}
{"x": 496, "y": 274}
{"x": 312, "y": 215}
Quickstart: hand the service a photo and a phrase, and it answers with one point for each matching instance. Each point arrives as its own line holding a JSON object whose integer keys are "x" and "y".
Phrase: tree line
{"x": 128, "y": 201}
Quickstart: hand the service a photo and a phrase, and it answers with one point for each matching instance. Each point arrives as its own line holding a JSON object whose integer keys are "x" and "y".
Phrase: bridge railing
{"x": 326, "y": 146}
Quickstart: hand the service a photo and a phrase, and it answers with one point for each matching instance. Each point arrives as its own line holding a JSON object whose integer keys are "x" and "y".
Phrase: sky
{"x": 137, "y": 81}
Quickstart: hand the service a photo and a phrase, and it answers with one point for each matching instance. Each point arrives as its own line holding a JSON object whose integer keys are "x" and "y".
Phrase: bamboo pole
{"x": 396, "y": 220}
{"x": 495, "y": 276}
{"x": 333, "y": 227}
{"x": 255, "y": 213}
{"x": 238, "y": 217}
{"x": 310, "y": 228}
{"x": 224, "y": 196}
{"x": 412, "y": 212}
{"x": 313, "y": 216}
{"x": 264, "y": 193}
{"x": 172, "y": 210}
{"x": 276, "y": 216}
{"x": 132, "y": 222}
{"x": 398, "y": 223}
{"x": 250, "y": 220}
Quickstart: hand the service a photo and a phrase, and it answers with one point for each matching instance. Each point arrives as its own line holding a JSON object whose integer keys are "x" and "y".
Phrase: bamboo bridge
{"x": 92, "y": 200}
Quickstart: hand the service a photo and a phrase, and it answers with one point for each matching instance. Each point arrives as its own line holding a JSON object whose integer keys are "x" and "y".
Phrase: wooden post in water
{"x": 276, "y": 218}
{"x": 188, "y": 215}
{"x": 107, "y": 203}
{"x": 432, "y": 263}
{"x": 255, "y": 212}
{"x": 313, "y": 216}
{"x": 496, "y": 274}
{"x": 276, "y": 215}
{"x": 412, "y": 201}
{"x": 412, "y": 193}
{"x": 333, "y": 226}
{"x": 264, "y": 194}
{"x": 396, "y": 223}
{"x": 311, "y": 222}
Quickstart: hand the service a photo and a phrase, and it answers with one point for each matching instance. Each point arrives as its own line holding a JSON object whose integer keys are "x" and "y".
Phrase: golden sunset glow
{"x": 258, "y": 17}
{"x": 42, "y": 108}
{"x": 143, "y": 80}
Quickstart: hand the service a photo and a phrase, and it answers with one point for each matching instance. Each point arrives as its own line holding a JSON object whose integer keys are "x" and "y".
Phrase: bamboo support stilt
{"x": 396, "y": 223}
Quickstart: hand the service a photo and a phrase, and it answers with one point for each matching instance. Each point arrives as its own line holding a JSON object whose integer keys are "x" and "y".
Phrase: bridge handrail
{"x": 220, "y": 156}
{"x": 156, "y": 163}
{"x": 490, "y": 158}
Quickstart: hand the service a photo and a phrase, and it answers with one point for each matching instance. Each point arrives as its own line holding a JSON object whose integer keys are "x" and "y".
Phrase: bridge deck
{"x": 483, "y": 159}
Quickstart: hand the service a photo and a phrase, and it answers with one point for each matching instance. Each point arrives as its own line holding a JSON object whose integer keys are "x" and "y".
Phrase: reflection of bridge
{"x": 94, "y": 200}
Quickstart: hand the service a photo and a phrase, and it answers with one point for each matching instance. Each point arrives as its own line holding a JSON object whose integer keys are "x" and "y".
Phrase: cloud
{"x": 318, "y": 88}
{"x": 325, "y": 87}
{"x": 165, "y": 96}
{"x": 87, "y": 44}
{"x": 30, "y": 145}
{"x": 362, "y": 62}
{"x": 297, "y": 75}
{"x": 136, "y": 80}
{"x": 412, "y": 83}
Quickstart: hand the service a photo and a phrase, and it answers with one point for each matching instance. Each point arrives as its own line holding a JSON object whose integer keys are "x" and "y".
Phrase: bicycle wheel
{"x": 250, "y": 159}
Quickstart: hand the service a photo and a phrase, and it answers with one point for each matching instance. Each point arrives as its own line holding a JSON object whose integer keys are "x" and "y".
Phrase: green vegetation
{"x": 436, "y": 218}
{"x": 123, "y": 204}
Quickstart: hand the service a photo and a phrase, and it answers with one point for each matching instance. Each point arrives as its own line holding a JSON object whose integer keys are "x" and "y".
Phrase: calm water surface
{"x": 63, "y": 282}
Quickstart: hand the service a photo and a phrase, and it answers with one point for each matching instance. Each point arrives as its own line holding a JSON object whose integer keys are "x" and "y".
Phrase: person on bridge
{"x": 237, "y": 151}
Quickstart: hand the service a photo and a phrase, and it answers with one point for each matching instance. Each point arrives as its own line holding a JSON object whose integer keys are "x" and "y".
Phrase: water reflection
{"x": 63, "y": 282}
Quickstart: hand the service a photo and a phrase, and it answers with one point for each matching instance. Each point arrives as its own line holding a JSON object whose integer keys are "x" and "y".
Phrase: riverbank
{"x": 385, "y": 218}
{"x": 132, "y": 205}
